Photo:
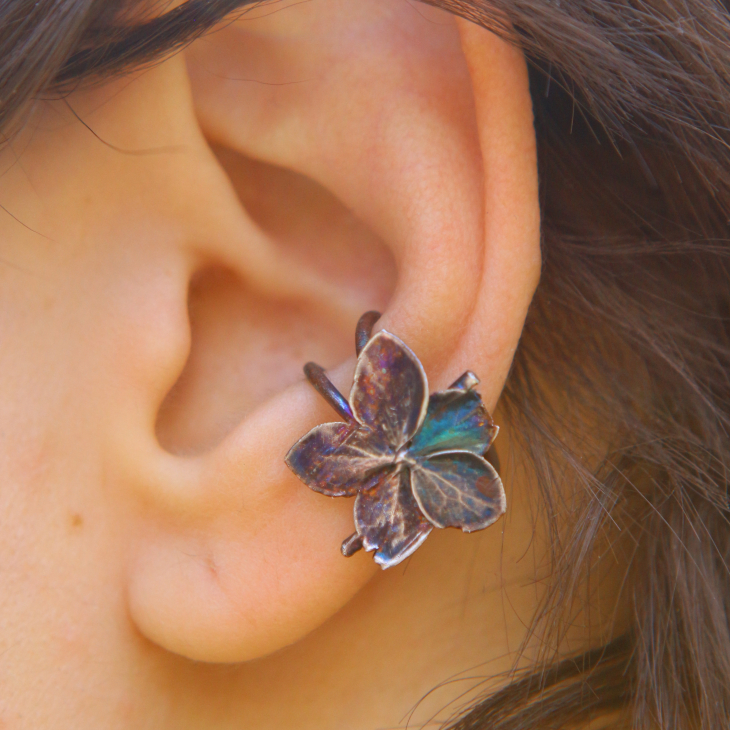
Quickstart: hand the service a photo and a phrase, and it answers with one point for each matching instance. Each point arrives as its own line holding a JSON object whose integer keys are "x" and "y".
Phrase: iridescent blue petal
{"x": 458, "y": 489}
{"x": 389, "y": 520}
{"x": 337, "y": 459}
{"x": 390, "y": 392}
{"x": 456, "y": 420}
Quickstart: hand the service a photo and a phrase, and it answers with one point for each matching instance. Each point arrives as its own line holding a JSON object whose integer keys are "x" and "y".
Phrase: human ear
{"x": 420, "y": 128}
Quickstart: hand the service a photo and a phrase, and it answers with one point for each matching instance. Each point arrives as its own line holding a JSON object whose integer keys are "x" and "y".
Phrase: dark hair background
{"x": 630, "y": 324}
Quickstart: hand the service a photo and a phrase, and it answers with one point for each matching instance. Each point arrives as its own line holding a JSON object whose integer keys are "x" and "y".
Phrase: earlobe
{"x": 432, "y": 147}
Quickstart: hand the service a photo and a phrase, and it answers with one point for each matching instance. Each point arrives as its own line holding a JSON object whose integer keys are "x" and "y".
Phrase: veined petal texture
{"x": 390, "y": 392}
{"x": 389, "y": 520}
{"x": 458, "y": 489}
{"x": 337, "y": 459}
{"x": 456, "y": 420}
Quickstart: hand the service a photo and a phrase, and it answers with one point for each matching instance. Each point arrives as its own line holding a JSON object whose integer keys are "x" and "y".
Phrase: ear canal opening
{"x": 245, "y": 347}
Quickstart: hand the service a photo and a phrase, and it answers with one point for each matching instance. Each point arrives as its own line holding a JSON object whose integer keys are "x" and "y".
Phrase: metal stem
{"x": 465, "y": 382}
{"x": 351, "y": 545}
{"x": 364, "y": 330}
{"x": 322, "y": 384}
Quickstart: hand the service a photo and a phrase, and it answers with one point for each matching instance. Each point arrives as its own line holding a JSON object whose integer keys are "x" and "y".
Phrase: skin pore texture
{"x": 175, "y": 245}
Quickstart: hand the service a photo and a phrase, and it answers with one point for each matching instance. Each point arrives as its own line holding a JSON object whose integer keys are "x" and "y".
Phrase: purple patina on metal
{"x": 414, "y": 462}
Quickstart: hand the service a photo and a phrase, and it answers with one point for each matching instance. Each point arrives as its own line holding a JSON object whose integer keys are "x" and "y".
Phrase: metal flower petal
{"x": 456, "y": 420}
{"x": 337, "y": 459}
{"x": 414, "y": 462}
{"x": 390, "y": 392}
{"x": 389, "y": 520}
{"x": 458, "y": 489}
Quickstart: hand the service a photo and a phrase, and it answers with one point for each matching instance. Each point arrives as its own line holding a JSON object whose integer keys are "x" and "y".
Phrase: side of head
{"x": 180, "y": 239}
{"x": 169, "y": 326}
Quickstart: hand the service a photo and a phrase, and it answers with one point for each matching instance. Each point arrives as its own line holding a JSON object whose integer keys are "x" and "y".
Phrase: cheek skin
{"x": 68, "y": 305}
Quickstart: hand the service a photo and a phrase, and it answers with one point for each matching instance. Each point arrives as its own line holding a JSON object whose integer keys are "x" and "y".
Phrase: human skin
{"x": 176, "y": 244}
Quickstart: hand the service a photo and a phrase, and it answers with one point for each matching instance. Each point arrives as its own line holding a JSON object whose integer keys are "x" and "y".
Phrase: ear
{"x": 401, "y": 145}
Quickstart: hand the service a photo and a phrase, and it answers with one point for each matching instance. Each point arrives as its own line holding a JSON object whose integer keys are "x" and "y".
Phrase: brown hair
{"x": 630, "y": 325}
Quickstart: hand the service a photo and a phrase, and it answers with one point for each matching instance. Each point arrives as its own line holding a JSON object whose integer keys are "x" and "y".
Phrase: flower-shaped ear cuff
{"x": 413, "y": 461}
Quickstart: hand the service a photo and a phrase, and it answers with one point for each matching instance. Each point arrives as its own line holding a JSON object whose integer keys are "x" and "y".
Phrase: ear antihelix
{"x": 400, "y": 152}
